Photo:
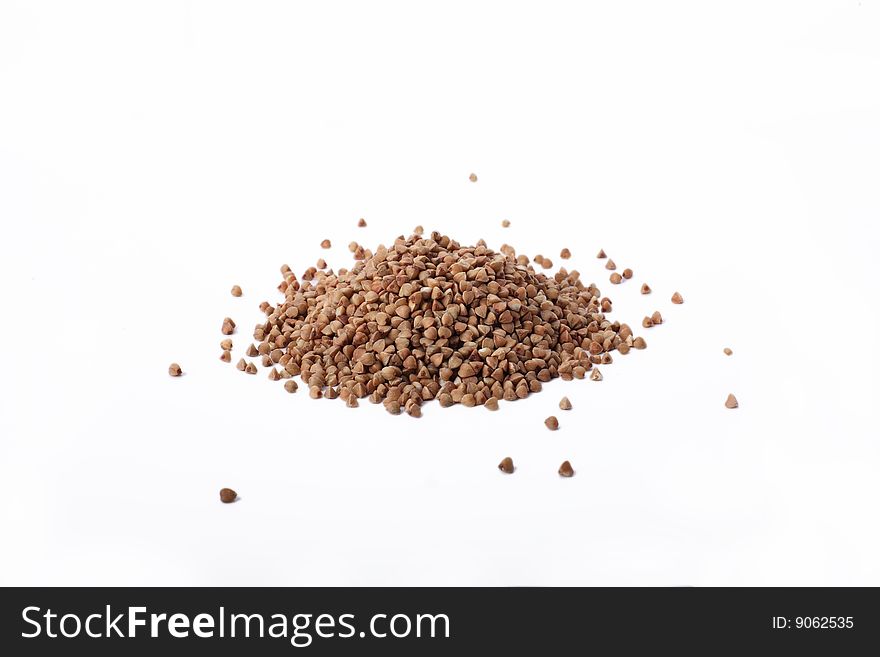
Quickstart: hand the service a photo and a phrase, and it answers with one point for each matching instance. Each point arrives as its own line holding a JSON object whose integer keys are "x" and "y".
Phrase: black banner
{"x": 393, "y": 621}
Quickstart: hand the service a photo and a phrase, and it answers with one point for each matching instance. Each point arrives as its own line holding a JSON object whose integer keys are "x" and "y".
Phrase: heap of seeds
{"x": 429, "y": 319}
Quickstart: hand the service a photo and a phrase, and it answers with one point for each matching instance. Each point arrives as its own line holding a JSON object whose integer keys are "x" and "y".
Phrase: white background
{"x": 153, "y": 154}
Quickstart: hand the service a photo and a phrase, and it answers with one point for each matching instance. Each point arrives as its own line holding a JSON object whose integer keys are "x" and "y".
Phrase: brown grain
{"x": 427, "y": 318}
{"x": 506, "y": 465}
{"x": 565, "y": 470}
{"x": 174, "y": 370}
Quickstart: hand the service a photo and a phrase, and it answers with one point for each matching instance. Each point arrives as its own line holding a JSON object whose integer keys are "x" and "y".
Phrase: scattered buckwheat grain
{"x": 174, "y": 370}
{"x": 552, "y": 423}
{"x": 728, "y": 351}
{"x": 627, "y": 273}
{"x": 505, "y": 224}
{"x": 228, "y": 327}
{"x": 226, "y": 356}
{"x": 595, "y": 375}
{"x": 645, "y": 289}
{"x": 601, "y": 254}
{"x": 647, "y": 322}
{"x": 616, "y": 278}
{"x": 731, "y": 402}
{"x": 362, "y": 223}
{"x": 236, "y": 291}
{"x": 326, "y": 244}
{"x": 565, "y": 470}
{"x": 656, "y": 317}
{"x": 506, "y": 465}
{"x": 227, "y": 495}
{"x": 290, "y": 386}
{"x": 565, "y": 404}
{"x": 676, "y": 298}
{"x": 472, "y": 177}
{"x": 610, "y": 265}
{"x": 565, "y": 254}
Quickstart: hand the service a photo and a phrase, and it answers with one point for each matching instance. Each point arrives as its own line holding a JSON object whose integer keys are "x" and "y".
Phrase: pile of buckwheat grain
{"x": 428, "y": 318}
